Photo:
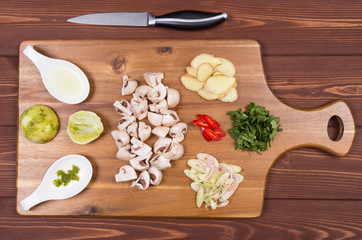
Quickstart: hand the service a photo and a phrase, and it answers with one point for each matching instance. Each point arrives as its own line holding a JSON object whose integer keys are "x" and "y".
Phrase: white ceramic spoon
{"x": 63, "y": 80}
{"x": 48, "y": 191}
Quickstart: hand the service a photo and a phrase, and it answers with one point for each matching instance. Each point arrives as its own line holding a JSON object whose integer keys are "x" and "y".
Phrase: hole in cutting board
{"x": 335, "y": 128}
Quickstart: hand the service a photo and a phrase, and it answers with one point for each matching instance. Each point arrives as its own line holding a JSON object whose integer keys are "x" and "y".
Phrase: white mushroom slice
{"x": 161, "y": 131}
{"x": 132, "y": 130}
{"x": 139, "y": 148}
{"x": 176, "y": 151}
{"x": 170, "y": 118}
{"x": 157, "y": 93}
{"x": 142, "y": 182}
{"x": 127, "y": 147}
{"x": 120, "y": 137}
{"x": 173, "y": 97}
{"x": 141, "y": 163}
{"x": 160, "y": 162}
{"x": 153, "y": 79}
{"x": 141, "y": 91}
{"x": 158, "y": 107}
{"x": 123, "y": 107}
{"x": 154, "y": 118}
{"x": 178, "y": 131}
{"x": 208, "y": 158}
{"x": 126, "y": 173}
{"x": 128, "y": 86}
{"x": 139, "y": 107}
{"x": 155, "y": 176}
{"x": 162, "y": 145}
{"x": 124, "y": 154}
{"x": 144, "y": 131}
{"x": 124, "y": 122}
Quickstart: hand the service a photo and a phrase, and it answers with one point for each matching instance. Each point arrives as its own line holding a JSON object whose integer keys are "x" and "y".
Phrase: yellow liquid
{"x": 65, "y": 83}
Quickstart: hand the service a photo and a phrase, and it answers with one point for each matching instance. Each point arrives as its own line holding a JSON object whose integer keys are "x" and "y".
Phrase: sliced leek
{"x": 214, "y": 183}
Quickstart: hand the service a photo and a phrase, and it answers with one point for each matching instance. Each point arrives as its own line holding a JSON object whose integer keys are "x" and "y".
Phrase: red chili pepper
{"x": 220, "y": 132}
{"x": 211, "y": 134}
{"x": 200, "y": 116}
{"x": 212, "y": 123}
{"x": 201, "y": 123}
{"x": 207, "y": 138}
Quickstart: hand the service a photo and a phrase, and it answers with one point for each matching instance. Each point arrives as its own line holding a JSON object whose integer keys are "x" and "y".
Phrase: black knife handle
{"x": 189, "y": 19}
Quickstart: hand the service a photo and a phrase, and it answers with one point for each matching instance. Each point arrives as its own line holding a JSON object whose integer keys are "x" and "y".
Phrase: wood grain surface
{"x": 105, "y": 62}
{"x": 311, "y": 56}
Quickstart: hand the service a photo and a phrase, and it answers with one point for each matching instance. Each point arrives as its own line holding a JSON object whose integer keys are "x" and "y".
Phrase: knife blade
{"x": 187, "y": 19}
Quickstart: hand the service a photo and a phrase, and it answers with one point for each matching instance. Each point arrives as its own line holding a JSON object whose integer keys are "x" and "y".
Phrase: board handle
{"x": 346, "y": 131}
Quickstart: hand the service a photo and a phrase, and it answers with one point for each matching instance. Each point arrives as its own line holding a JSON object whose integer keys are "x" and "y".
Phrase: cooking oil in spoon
{"x": 65, "y": 83}
{"x": 63, "y": 80}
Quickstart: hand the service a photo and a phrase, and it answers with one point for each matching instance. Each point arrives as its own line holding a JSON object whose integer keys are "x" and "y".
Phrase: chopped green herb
{"x": 65, "y": 178}
{"x": 254, "y": 128}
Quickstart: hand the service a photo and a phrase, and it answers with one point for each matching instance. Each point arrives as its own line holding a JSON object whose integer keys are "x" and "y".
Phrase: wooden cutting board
{"x": 105, "y": 62}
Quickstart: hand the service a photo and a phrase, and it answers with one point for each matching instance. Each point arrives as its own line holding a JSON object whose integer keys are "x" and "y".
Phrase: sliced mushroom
{"x": 144, "y": 131}
{"x": 154, "y": 118}
{"x": 141, "y": 163}
{"x": 127, "y": 147}
{"x": 157, "y": 93}
{"x": 124, "y": 122}
{"x": 161, "y": 131}
{"x": 161, "y": 145}
{"x": 153, "y": 79}
{"x": 128, "y": 86}
{"x": 142, "y": 182}
{"x": 124, "y": 154}
{"x": 141, "y": 91}
{"x": 139, "y": 148}
{"x": 160, "y": 162}
{"x": 169, "y": 118}
{"x": 173, "y": 97}
{"x": 176, "y": 151}
{"x": 120, "y": 137}
{"x": 126, "y": 173}
{"x": 159, "y": 107}
{"x": 139, "y": 107}
{"x": 132, "y": 130}
{"x": 155, "y": 176}
{"x": 123, "y": 107}
{"x": 178, "y": 131}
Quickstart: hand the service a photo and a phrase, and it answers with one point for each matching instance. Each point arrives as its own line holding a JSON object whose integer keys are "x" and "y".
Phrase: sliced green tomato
{"x": 200, "y": 196}
{"x": 84, "y": 127}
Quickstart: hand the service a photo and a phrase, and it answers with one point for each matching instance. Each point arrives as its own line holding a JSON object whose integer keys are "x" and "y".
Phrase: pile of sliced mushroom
{"x": 214, "y": 182}
{"x": 152, "y": 101}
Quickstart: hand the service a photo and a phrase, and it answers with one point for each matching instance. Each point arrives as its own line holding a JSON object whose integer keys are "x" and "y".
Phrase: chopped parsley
{"x": 253, "y": 128}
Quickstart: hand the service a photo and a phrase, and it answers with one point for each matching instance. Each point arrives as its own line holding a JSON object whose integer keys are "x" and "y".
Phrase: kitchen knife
{"x": 187, "y": 19}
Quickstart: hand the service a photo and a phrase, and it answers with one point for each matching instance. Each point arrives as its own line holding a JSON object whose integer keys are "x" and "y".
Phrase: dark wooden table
{"x": 312, "y": 54}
